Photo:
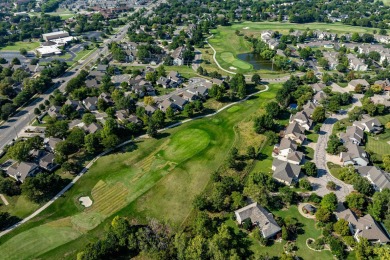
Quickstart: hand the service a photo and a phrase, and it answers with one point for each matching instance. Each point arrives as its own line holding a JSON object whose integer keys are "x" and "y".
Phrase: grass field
{"x": 19, "y": 45}
{"x": 228, "y": 45}
{"x": 154, "y": 178}
{"x": 83, "y": 54}
{"x": 19, "y": 206}
{"x": 379, "y": 144}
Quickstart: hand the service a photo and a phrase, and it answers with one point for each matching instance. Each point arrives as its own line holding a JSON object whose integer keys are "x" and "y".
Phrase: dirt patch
{"x": 86, "y": 201}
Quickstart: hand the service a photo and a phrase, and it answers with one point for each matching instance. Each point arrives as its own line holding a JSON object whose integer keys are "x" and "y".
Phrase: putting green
{"x": 185, "y": 144}
{"x": 228, "y": 57}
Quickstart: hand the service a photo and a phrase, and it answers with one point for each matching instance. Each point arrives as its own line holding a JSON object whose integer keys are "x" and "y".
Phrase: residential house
{"x": 47, "y": 162}
{"x": 287, "y": 151}
{"x": 92, "y": 128}
{"x": 355, "y": 155}
{"x": 317, "y": 87}
{"x": 303, "y": 119}
{"x": 259, "y": 217}
{"x": 379, "y": 179}
{"x": 150, "y": 109}
{"x": 362, "y": 82}
{"x": 309, "y": 108}
{"x": 91, "y": 103}
{"x": 355, "y": 63}
{"x": 92, "y": 83}
{"x": 50, "y": 143}
{"x": 189, "y": 96}
{"x": 177, "y": 56}
{"x": 295, "y": 132}
{"x": 98, "y": 75}
{"x": 319, "y": 97}
{"x": 164, "y": 82}
{"x": 76, "y": 105}
{"x": 353, "y": 134}
{"x": 365, "y": 227}
{"x": 20, "y": 171}
{"x": 331, "y": 57}
{"x": 122, "y": 115}
{"x": 54, "y": 111}
{"x": 285, "y": 172}
{"x": 370, "y": 125}
{"x": 175, "y": 79}
{"x": 163, "y": 106}
{"x": 385, "y": 84}
{"x": 200, "y": 91}
{"x": 381, "y": 99}
{"x": 102, "y": 68}
{"x": 106, "y": 98}
{"x": 178, "y": 102}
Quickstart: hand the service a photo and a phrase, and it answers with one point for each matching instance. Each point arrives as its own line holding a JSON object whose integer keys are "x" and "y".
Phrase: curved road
{"x": 67, "y": 187}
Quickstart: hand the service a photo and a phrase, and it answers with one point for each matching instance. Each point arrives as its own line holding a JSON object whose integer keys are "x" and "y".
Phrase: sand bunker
{"x": 86, "y": 201}
{"x": 232, "y": 68}
{"x": 246, "y": 28}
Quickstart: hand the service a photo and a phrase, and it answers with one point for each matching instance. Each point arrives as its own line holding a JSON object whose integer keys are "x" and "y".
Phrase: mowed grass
{"x": 19, "y": 45}
{"x": 255, "y": 28}
{"x": 227, "y": 45}
{"x": 153, "y": 178}
{"x": 379, "y": 144}
{"x": 18, "y": 206}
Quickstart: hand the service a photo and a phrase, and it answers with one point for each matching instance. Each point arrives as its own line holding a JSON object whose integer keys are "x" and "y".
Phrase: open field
{"x": 379, "y": 144}
{"x": 18, "y": 45}
{"x": 19, "y": 206}
{"x": 153, "y": 178}
{"x": 83, "y": 54}
{"x": 186, "y": 71}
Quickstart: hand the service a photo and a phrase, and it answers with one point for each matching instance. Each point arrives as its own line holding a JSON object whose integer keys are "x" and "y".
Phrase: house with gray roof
{"x": 20, "y": 171}
{"x": 76, "y": 105}
{"x": 92, "y": 128}
{"x": 379, "y": 179}
{"x": 319, "y": 96}
{"x": 47, "y": 162}
{"x": 295, "y": 132}
{"x": 317, "y": 87}
{"x": 54, "y": 111}
{"x": 303, "y": 119}
{"x": 178, "y": 102}
{"x": 353, "y": 83}
{"x": 369, "y": 124}
{"x": 102, "y": 68}
{"x": 91, "y": 103}
{"x": 355, "y": 155}
{"x": 356, "y": 63}
{"x": 259, "y": 217}
{"x": 365, "y": 226}
{"x": 50, "y": 143}
{"x": 92, "y": 83}
{"x": 353, "y": 134}
{"x": 285, "y": 172}
{"x": 163, "y": 106}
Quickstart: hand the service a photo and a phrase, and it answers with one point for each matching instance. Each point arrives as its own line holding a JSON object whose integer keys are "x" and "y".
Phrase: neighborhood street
{"x": 320, "y": 157}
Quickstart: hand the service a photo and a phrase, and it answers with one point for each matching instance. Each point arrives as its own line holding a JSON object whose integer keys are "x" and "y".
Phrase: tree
{"x": 20, "y": 151}
{"x": 287, "y": 195}
{"x": 305, "y": 184}
{"x": 256, "y": 79}
{"x": 356, "y": 37}
{"x": 264, "y": 123}
{"x": 310, "y": 169}
{"x": 341, "y": 227}
{"x": 323, "y": 215}
{"x": 356, "y": 201}
{"x": 23, "y": 51}
{"x": 284, "y": 233}
{"x": 42, "y": 187}
{"x": 148, "y": 100}
{"x": 251, "y": 152}
{"x": 329, "y": 202}
{"x": 188, "y": 110}
{"x": 363, "y": 249}
{"x": 37, "y": 111}
{"x": 331, "y": 185}
{"x": 335, "y": 146}
{"x": 9, "y": 187}
{"x": 273, "y": 109}
{"x": 110, "y": 141}
{"x": 362, "y": 185}
{"x": 319, "y": 114}
{"x": 89, "y": 118}
{"x": 386, "y": 162}
{"x": 337, "y": 247}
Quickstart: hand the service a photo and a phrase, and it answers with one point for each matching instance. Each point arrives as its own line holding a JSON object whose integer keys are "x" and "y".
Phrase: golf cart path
{"x": 83, "y": 171}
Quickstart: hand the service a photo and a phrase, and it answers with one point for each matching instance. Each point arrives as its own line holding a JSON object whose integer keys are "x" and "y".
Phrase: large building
{"x": 55, "y": 35}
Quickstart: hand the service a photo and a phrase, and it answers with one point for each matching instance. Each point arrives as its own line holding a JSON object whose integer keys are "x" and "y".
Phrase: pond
{"x": 257, "y": 62}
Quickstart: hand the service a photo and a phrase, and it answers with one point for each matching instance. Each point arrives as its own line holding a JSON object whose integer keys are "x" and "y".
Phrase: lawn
{"x": 312, "y": 137}
{"x": 19, "y": 45}
{"x": 151, "y": 179}
{"x": 379, "y": 144}
{"x": 334, "y": 169}
{"x": 186, "y": 71}
{"x": 19, "y": 206}
{"x": 308, "y": 231}
{"x": 228, "y": 44}
{"x": 83, "y": 54}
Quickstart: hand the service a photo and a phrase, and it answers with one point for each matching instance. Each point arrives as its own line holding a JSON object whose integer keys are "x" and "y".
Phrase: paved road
{"x": 38, "y": 211}
{"x": 197, "y": 60}
{"x": 320, "y": 158}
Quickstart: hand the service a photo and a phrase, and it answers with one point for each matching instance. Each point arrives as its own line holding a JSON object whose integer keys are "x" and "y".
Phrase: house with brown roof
{"x": 259, "y": 217}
